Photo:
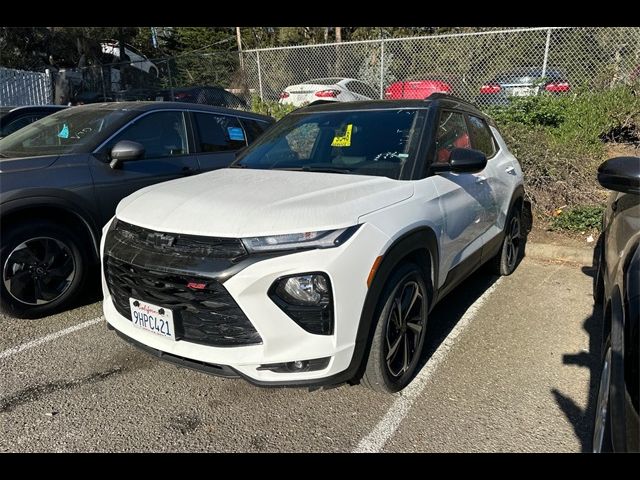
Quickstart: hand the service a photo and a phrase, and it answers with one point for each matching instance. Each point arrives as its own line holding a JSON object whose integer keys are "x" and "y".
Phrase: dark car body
{"x": 524, "y": 82}
{"x": 203, "y": 95}
{"x": 617, "y": 286}
{"x": 14, "y": 118}
{"x": 77, "y": 175}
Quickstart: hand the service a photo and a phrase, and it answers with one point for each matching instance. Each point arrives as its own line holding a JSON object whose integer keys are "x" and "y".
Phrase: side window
{"x": 452, "y": 133}
{"x": 219, "y": 133}
{"x": 254, "y": 129}
{"x": 481, "y": 137}
{"x": 163, "y": 134}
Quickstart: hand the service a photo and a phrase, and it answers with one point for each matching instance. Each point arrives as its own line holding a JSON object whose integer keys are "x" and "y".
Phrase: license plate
{"x": 520, "y": 91}
{"x": 153, "y": 318}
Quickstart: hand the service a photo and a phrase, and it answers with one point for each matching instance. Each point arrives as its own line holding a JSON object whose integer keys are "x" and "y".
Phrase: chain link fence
{"x": 485, "y": 68}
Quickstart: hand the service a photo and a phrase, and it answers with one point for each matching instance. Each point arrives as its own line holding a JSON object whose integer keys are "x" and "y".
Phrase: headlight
{"x": 293, "y": 241}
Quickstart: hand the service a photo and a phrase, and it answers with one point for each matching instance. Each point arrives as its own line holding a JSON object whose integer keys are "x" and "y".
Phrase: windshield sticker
{"x": 64, "y": 133}
{"x": 343, "y": 140}
{"x": 236, "y": 133}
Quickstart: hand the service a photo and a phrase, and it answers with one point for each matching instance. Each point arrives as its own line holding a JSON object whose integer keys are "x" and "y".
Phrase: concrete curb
{"x": 583, "y": 256}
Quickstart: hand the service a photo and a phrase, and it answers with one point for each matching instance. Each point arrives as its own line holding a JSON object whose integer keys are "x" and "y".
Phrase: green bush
{"x": 268, "y": 107}
{"x": 580, "y": 219}
{"x": 532, "y": 111}
{"x": 560, "y": 142}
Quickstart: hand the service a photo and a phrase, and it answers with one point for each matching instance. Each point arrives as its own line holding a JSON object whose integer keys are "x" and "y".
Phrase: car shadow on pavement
{"x": 582, "y": 419}
{"x": 444, "y": 317}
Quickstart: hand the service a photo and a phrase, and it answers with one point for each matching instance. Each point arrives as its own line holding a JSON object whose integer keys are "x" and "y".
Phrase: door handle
{"x": 510, "y": 170}
{"x": 481, "y": 179}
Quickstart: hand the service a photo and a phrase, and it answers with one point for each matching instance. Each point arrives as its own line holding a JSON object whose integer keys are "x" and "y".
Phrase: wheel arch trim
{"x": 12, "y": 207}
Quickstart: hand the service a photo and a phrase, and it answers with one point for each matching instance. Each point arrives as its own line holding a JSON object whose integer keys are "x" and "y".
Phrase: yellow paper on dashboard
{"x": 343, "y": 140}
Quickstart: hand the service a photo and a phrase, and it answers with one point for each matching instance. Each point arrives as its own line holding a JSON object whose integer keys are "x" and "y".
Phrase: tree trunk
{"x": 239, "y": 40}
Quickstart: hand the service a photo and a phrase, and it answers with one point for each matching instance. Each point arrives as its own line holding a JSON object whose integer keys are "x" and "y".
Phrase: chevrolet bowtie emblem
{"x": 161, "y": 239}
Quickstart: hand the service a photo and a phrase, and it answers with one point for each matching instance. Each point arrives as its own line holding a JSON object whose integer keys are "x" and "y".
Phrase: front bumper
{"x": 347, "y": 266}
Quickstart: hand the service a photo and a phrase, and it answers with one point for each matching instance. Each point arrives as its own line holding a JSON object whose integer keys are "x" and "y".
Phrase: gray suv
{"x": 62, "y": 177}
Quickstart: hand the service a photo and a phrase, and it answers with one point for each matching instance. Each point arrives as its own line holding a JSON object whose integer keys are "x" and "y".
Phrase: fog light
{"x": 305, "y": 289}
{"x": 297, "y": 366}
{"x": 306, "y": 299}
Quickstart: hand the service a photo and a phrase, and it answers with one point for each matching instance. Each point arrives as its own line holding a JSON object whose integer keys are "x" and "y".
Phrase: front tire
{"x": 399, "y": 333}
{"x": 602, "y": 421}
{"x": 43, "y": 268}
{"x": 598, "y": 280}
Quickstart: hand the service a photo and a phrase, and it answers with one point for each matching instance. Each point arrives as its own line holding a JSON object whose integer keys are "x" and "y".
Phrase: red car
{"x": 416, "y": 89}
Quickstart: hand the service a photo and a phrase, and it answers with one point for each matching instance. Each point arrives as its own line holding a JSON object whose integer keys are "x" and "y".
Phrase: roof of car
{"x": 149, "y": 106}
{"x": 327, "y": 80}
{"x": 32, "y": 107}
{"x": 436, "y": 99}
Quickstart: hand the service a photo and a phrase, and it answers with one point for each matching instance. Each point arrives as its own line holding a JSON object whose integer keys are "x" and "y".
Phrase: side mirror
{"x": 125, "y": 150}
{"x": 465, "y": 160}
{"x": 462, "y": 160}
{"x": 621, "y": 174}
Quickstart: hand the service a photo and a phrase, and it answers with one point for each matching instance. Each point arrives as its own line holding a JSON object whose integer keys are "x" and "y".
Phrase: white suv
{"x": 317, "y": 257}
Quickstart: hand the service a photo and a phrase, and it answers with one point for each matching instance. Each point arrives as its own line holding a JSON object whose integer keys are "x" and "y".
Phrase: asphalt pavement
{"x": 510, "y": 365}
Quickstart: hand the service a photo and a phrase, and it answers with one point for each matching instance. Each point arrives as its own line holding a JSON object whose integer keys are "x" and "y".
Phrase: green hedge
{"x": 561, "y": 140}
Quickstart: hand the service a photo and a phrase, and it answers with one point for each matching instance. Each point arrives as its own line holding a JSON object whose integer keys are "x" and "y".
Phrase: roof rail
{"x": 446, "y": 96}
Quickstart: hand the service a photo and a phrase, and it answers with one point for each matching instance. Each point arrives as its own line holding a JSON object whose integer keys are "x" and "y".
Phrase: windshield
{"x": 362, "y": 142}
{"x": 73, "y": 130}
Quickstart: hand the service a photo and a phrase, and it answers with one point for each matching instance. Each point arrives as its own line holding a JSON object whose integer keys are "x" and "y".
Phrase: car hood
{"x": 244, "y": 202}
{"x": 24, "y": 164}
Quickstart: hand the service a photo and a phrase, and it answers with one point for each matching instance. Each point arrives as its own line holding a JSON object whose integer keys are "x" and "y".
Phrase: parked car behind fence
{"x": 323, "y": 90}
{"x": 524, "y": 82}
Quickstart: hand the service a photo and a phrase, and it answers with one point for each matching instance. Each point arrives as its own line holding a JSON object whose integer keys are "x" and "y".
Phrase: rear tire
{"x": 43, "y": 268}
{"x": 399, "y": 335}
{"x": 511, "y": 251}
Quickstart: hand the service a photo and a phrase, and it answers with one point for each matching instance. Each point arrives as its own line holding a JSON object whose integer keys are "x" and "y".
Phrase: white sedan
{"x": 322, "y": 90}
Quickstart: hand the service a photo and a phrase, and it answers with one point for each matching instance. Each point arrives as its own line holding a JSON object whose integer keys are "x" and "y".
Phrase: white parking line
{"x": 387, "y": 426}
{"x": 48, "y": 338}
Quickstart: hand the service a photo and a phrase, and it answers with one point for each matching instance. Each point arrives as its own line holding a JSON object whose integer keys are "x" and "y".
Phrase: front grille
{"x": 209, "y": 316}
{"x": 177, "y": 243}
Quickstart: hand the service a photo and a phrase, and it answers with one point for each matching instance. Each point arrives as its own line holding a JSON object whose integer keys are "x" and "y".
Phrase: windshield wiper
{"x": 308, "y": 168}
{"x": 3, "y": 155}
